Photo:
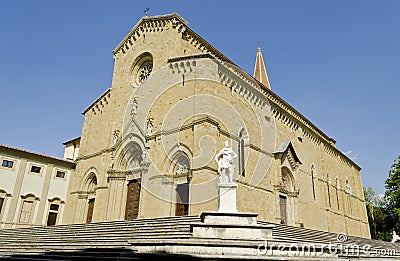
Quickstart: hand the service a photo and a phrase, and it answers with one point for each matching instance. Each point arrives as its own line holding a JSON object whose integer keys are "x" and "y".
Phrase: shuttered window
{"x": 26, "y": 211}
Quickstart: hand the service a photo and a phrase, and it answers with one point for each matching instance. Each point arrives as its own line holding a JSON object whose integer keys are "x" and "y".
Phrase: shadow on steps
{"x": 100, "y": 254}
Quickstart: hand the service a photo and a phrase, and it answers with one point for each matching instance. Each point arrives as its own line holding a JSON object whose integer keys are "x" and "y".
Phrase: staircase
{"x": 103, "y": 240}
{"x": 110, "y": 240}
{"x": 289, "y": 234}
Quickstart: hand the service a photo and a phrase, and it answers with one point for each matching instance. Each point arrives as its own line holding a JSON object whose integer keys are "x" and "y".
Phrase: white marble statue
{"x": 144, "y": 156}
{"x": 224, "y": 159}
{"x": 112, "y": 164}
{"x": 395, "y": 237}
{"x": 348, "y": 187}
{"x": 149, "y": 127}
{"x": 115, "y": 138}
{"x": 134, "y": 106}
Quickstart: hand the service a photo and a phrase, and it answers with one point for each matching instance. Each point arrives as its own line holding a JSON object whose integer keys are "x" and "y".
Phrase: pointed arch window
{"x": 313, "y": 174}
{"x": 337, "y": 192}
{"x": 328, "y": 178}
{"x": 348, "y": 196}
{"x": 241, "y": 156}
{"x": 243, "y": 141}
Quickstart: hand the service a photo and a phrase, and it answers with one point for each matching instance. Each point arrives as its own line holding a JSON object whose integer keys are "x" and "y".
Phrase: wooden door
{"x": 132, "y": 201}
{"x": 180, "y": 209}
{"x": 90, "y": 211}
{"x": 182, "y": 202}
{"x": 1, "y": 204}
{"x": 51, "y": 220}
{"x": 282, "y": 204}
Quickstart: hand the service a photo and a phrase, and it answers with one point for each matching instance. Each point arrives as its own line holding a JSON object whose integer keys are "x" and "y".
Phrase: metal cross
{"x": 146, "y": 11}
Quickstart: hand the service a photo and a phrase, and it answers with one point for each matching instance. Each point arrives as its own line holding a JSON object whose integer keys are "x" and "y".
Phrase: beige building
{"x": 71, "y": 149}
{"x": 148, "y": 143}
{"x": 33, "y": 188}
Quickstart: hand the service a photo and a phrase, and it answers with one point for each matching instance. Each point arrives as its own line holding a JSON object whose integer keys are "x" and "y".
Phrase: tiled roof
{"x": 35, "y": 153}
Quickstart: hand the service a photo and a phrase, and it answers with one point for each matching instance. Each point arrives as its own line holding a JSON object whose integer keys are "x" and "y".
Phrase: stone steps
{"x": 38, "y": 241}
{"x": 101, "y": 225}
{"x": 69, "y": 239}
{"x": 101, "y": 232}
{"x": 84, "y": 254}
{"x": 103, "y": 239}
{"x": 297, "y": 234}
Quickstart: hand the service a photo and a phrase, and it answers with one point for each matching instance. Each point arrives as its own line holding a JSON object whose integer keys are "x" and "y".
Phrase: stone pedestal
{"x": 227, "y": 197}
{"x": 219, "y": 225}
{"x": 227, "y": 223}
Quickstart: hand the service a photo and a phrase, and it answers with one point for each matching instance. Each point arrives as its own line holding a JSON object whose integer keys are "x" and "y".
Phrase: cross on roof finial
{"x": 146, "y": 11}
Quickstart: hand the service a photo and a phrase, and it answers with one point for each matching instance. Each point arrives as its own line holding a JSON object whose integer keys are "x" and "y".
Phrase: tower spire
{"x": 260, "y": 73}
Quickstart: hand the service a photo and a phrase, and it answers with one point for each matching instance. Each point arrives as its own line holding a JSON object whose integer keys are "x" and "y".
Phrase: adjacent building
{"x": 33, "y": 187}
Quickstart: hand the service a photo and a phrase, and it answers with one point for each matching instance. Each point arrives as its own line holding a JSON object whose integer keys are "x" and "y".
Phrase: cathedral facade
{"x": 148, "y": 143}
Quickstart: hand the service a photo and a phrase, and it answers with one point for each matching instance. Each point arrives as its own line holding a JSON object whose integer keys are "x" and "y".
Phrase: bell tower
{"x": 260, "y": 73}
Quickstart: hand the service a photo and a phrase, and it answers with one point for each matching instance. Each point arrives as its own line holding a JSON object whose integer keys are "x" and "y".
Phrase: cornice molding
{"x": 229, "y": 74}
{"x": 99, "y": 103}
{"x": 148, "y": 24}
{"x": 208, "y": 120}
{"x": 84, "y": 157}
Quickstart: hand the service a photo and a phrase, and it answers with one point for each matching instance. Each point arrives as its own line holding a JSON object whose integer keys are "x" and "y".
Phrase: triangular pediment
{"x": 154, "y": 24}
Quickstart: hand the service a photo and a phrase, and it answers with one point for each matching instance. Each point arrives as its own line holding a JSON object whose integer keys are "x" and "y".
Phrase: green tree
{"x": 377, "y": 215}
{"x": 392, "y": 195}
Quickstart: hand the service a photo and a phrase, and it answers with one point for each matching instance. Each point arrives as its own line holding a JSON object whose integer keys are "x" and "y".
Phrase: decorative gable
{"x": 154, "y": 24}
{"x": 287, "y": 154}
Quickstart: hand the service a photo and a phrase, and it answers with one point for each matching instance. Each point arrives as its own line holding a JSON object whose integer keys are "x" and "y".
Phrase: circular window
{"x": 144, "y": 72}
{"x": 142, "y": 68}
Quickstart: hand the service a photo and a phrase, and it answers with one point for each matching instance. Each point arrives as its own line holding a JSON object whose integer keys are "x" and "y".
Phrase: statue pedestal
{"x": 239, "y": 225}
{"x": 227, "y": 197}
{"x": 227, "y": 222}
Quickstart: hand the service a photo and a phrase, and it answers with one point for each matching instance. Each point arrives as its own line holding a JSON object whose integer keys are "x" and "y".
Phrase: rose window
{"x": 144, "y": 72}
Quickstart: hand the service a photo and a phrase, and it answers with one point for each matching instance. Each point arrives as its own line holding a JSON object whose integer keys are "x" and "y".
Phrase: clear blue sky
{"x": 337, "y": 62}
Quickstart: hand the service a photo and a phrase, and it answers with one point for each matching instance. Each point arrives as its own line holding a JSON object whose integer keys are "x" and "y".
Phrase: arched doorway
{"x": 181, "y": 174}
{"x": 91, "y": 191}
{"x": 286, "y": 190}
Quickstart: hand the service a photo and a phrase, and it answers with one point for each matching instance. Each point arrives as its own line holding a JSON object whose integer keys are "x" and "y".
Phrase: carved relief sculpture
{"x": 181, "y": 169}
